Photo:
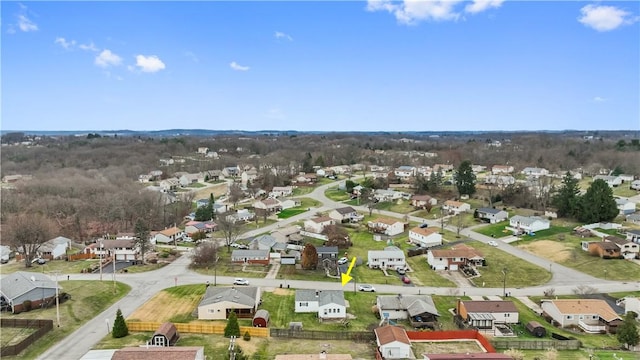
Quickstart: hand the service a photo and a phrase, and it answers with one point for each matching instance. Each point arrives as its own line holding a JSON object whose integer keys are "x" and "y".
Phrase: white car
{"x": 492, "y": 243}
{"x": 240, "y": 281}
{"x": 366, "y": 287}
{"x": 343, "y": 260}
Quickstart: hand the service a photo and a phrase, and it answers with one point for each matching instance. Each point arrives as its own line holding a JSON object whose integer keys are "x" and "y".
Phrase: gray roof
{"x": 527, "y": 220}
{"x": 21, "y": 282}
{"x": 327, "y": 249}
{"x": 413, "y": 304}
{"x": 345, "y": 210}
{"x": 489, "y": 210}
{"x": 324, "y": 296}
{"x": 279, "y": 247}
{"x": 266, "y": 240}
{"x": 239, "y": 295}
{"x": 249, "y": 253}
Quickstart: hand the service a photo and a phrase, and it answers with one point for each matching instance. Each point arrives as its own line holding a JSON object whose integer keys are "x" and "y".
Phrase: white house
{"x": 387, "y": 226}
{"x": 55, "y": 248}
{"x": 455, "y": 207}
{"x": 123, "y": 250}
{"x": 241, "y": 215}
{"x": 218, "y": 302}
{"x": 628, "y": 249}
{"x": 625, "y": 206}
{"x": 328, "y": 304}
{"x": 485, "y": 314}
{"x": 632, "y": 303}
{"x": 528, "y": 224}
{"x": 169, "y": 235}
{"x": 316, "y": 225}
{"x": 534, "y": 171}
{"x": 393, "y": 342}
{"x": 345, "y": 214}
{"x": 405, "y": 172}
{"x": 501, "y": 169}
{"x": 389, "y": 258}
{"x": 455, "y": 258}
{"x": 591, "y": 315}
{"x": 268, "y": 205}
{"x": 492, "y": 215}
{"x": 635, "y": 184}
{"x": 188, "y": 179}
{"x": 169, "y": 184}
{"x": 499, "y": 180}
{"x": 612, "y": 181}
{"x": 425, "y": 237}
{"x": 281, "y": 191}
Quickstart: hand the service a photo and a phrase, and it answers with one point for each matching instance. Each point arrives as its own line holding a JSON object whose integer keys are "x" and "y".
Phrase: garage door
{"x": 454, "y": 267}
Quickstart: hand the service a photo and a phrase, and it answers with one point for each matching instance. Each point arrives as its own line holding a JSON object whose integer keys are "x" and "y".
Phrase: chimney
{"x": 317, "y": 293}
{"x": 323, "y": 355}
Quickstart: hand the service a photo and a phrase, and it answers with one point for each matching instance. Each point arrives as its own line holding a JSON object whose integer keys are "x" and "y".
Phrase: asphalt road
{"x": 145, "y": 285}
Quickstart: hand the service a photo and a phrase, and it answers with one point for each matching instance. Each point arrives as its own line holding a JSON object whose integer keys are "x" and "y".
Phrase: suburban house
{"x": 250, "y": 257}
{"x": 389, "y": 258}
{"x": 328, "y": 304}
{"x": 166, "y": 335}
{"x": 612, "y": 181}
{"x": 54, "y": 248}
{"x": 316, "y": 225}
{"x": 269, "y": 205}
{"x": 591, "y": 315}
{"x": 169, "y": 184}
{"x": 393, "y": 342}
{"x": 628, "y": 249}
{"x": 603, "y": 249}
{"x": 281, "y": 191}
{"x": 212, "y": 175}
{"x": 527, "y": 224}
{"x": 144, "y": 178}
{"x": 635, "y": 185}
{"x": 241, "y": 215}
{"x": 384, "y": 195}
{"x": 231, "y": 171}
{"x": 499, "y": 180}
{"x": 455, "y": 207}
{"x": 502, "y": 169}
{"x": 327, "y": 253}
{"x": 492, "y": 215}
{"x": 633, "y": 218}
{"x": 321, "y": 356}
{"x": 193, "y": 227}
{"x": 345, "y": 214}
{"x": 407, "y": 307}
{"x": 425, "y": 237}
{"x": 288, "y": 234}
{"x": 632, "y": 303}
{"x": 404, "y": 172}
{"x": 122, "y": 250}
{"x": 218, "y": 302}
{"x": 633, "y": 235}
{"x": 485, "y": 315}
{"x": 442, "y": 168}
{"x": 168, "y": 236}
{"x": 535, "y": 172}
{"x": 155, "y": 353}
{"x": 625, "y": 206}
{"x": 188, "y": 179}
{"x": 387, "y": 226}
{"x": 421, "y": 201}
{"x": 262, "y": 242}
{"x": 20, "y": 287}
{"x": 454, "y": 258}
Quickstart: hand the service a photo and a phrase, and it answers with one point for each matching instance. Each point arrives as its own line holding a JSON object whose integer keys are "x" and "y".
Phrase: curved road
{"x": 145, "y": 285}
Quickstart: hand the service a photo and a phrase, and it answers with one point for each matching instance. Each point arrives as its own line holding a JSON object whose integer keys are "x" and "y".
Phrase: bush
{"x": 246, "y": 336}
{"x": 164, "y": 254}
{"x": 232, "y": 328}
{"x": 26, "y": 305}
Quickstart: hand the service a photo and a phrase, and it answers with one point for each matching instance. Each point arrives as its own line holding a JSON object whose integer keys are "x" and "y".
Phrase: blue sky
{"x": 324, "y": 66}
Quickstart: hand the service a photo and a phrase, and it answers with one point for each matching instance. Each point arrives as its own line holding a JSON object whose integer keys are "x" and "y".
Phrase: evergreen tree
{"x": 627, "y": 333}
{"x": 120, "y": 328}
{"x": 566, "y": 200}
{"x": 309, "y": 258}
{"x": 597, "y": 204}
{"x": 210, "y": 206}
{"x": 232, "y": 328}
{"x": 142, "y": 237}
{"x": 203, "y": 213}
{"x": 465, "y": 179}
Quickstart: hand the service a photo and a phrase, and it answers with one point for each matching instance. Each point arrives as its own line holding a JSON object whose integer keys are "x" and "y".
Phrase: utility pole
{"x": 56, "y": 272}
{"x": 504, "y": 282}
{"x": 113, "y": 260}
{"x": 101, "y": 251}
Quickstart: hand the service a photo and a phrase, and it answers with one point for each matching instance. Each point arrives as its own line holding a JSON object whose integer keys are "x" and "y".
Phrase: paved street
{"x": 145, "y": 285}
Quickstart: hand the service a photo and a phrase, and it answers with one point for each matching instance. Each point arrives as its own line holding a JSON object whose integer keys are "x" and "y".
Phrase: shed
{"x": 536, "y": 329}
{"x": 261, "y": 318}
{"x": 166, "y": 335}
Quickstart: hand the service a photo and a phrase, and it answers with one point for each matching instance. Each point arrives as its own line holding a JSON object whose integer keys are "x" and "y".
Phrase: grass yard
{"x": 306, "y": 203}
{"x": 446, "y": 347}
{"x": 88, "y": 298}
{"x": 65, "y": 267}
{"x": 433, "y": 214}
{"x": 401, "y": 206}
{"x": 337, "y": 195}
{"x": 145, "y": 267}
{"x": 175, "y": 304}
{"x": 624, "y": 191}
{"x": 196, "y": 185}
{"x": 285, "y": 214}
{"x": 226, "y": 268}
{"x": 13, "y": 335}
{"x": 495, "y": 230}
{"x": 302, "y": 190}
{"x": 582, "y": 354}
{"x": 569, "y": 253}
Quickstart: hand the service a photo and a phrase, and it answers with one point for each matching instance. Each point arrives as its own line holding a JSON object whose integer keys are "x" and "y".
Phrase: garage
{"x": 454, "y": 267}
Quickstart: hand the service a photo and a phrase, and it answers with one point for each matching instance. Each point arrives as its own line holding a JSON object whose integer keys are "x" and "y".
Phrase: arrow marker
{"x": 346, "y": 277}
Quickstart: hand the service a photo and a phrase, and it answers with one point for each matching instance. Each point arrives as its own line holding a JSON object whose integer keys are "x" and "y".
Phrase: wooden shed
{"x": 166, "y": 335}
{"x": 261, "y": 318}
{"x": 536, "y": 329}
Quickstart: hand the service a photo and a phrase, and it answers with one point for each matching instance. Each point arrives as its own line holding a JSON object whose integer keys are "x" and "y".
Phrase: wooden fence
{"x": 357, "y": 336}
{"x": 80, "y": 256}
{"x": 536, "y": 344}
{"x": 451, "y": 335}
{"x": 42, "y": 326}
{"x": 197, "y": 328}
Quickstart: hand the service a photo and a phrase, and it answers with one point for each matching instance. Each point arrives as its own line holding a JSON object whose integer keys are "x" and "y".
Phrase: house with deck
{"x": 407, "y": 307}
{"x": 453, "y": 207}
{"x": 492, "y": 215}
{"x": 218, "y": 302}
{"x": 328, "y": 304}
{"x": 317, "y": 224}
{"x": 422, "y": 201}
{"x": 386, "y": 226}
{"x": 591, "y": 315}
{"x": 628, "y": 249}
{"x": 486, "y": 314}
{"x": 527, "y": 224}
{"x": 391, "y": 257}
{"x": 425, "y": 237}
{"x": 345, "y": 214}
{"x": 454, "y": 258}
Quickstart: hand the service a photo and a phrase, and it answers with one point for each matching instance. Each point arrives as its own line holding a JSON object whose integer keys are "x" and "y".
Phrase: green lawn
{"x": 88, "y": 298}
{"x": 197, "y": 185}
{"x": 306, "y": 203}
{"x": 582, "y": 354}
{"x": 302, "y": 190}
{"x": 65, "y": 267}
{"x": 433, "y": 214}
{"x": 285, "y": 214}
{"x": 226, "y": 268}
{"x": 496, "y": 230}
{"x": 625, "y": 191}
{"x": 337, "y": 195}
{"x": 401, "y": 207}
{"x": 145, "y": 267}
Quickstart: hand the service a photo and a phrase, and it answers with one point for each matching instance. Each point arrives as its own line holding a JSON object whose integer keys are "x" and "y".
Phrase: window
{"x": 569, "y": 317}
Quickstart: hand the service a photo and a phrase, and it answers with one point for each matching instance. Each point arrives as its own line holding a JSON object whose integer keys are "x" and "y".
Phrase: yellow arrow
{"x": 346, "y": 277}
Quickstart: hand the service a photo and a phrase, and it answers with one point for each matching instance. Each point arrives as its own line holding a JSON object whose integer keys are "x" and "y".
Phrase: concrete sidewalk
{"x": 530, "y": 304}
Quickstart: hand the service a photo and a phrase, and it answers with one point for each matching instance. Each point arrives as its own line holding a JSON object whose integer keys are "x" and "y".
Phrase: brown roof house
{"x": 485, "y": 315}
{"x": 166, "y": 335}
{"x": 454, "y": 258}
{"x": 393, "y": 342}
{"x": 164, "y": 353}
{"x": 604, "y": 249}
{"x": 591, "y": 315}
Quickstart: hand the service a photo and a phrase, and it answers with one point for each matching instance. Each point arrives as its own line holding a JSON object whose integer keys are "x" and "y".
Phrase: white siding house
{"x": 393, "y": 342}
{"x": 386, "y": 226}
{"x": 391, "y": 257}
{"x": 528, "y": 224}
{"x": 425, "y": 237}
{"x": 328, "y": 304}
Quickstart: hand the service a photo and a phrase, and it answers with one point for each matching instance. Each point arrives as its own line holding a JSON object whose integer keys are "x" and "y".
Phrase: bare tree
{"x": 229, "y": 229}
{"x": 27, "y": 232}
{"x": 142, "y": 237}
{"x": 235, "y": 194}
{"x": 205, "y": 255}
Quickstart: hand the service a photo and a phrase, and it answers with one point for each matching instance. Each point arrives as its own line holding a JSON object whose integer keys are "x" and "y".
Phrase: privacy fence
{"x": 196, "y": 328}
{"x": 42, "y": 327}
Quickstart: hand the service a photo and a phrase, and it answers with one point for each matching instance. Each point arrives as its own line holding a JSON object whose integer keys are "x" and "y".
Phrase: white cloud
{"x": 413, "y": 11}
{"x": 605, "y": 18}
{"x": 64, "y": 43}
{"x": 88, "y": 47}
{"x": 235, "y": 66}
{"x": 481, "y": 5}
{"x": 106, "y": 58}
{"x": 25, "y": 24}
{"x": 281, "y": 35}
{"x": 150, "y": 63}
{"x": 599, "y": 99}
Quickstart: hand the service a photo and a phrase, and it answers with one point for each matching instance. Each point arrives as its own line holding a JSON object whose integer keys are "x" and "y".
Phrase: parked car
{"x": 492, "y": 243}
{"x": 401, "y": 271}
{"x": 406, "y": 280}
{"x": 240, "y": 281}
{"x": 366, "y": 287}
{"x": 187, "y": 239}
{"x": 343, "y": 260}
